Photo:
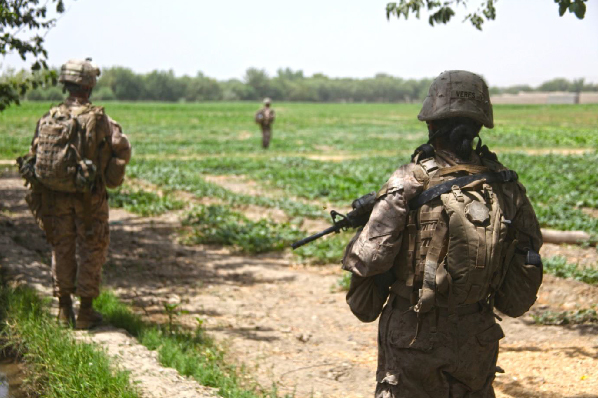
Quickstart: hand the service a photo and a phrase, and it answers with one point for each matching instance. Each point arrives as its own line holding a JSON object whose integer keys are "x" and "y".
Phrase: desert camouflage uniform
{"x": 458, "y": 358}
{"x": 78, "y": 254}
{"x": 265, "y": 118}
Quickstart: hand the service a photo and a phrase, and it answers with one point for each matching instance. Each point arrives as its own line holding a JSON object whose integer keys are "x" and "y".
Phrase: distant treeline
{"x": 119, "y": 83}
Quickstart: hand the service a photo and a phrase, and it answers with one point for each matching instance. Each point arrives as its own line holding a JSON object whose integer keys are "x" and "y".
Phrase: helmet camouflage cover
{"x": 458, "y": 93}
{"x": 81, "y": 72}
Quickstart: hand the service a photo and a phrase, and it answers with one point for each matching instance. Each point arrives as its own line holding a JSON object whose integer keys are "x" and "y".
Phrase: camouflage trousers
{"x": 78, "y": 254}
{"x": 266, "y": 135}
{"x": 457, "y": 361}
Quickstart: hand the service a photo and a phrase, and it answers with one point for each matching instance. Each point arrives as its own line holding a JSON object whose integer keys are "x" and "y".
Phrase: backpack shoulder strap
{"x": 434, "y": 192}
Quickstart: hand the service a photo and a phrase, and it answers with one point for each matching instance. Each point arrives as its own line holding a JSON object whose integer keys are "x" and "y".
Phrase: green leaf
{"x": 580, "y": 11}
{"x": 563, "y": 6}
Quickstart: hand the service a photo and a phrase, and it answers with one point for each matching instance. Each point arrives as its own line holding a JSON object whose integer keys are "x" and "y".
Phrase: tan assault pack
{"x": 457, "y": 243}
{"x": 66, "y": 142}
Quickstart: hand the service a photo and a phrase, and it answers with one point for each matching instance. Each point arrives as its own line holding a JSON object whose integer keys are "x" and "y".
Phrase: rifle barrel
{"x": 334, "y": 228}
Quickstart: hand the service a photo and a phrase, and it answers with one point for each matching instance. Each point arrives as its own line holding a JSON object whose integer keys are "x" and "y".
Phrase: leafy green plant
{"x": 577, "y": 317}
{"x": 328, "y": 250}
{"x": 559, "y": 267}
{"x": 220, "y": 225}
{"x": 173, "y": 311}
{"x": 144, "y": 203}
{"x": 343, "y": 282}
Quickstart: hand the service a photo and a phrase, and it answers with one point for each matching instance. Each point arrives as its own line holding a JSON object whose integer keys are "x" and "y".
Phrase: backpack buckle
{"x": 458, "y": 193}
{"x": 508, "y": 175}
{"x": 488, "y": 193}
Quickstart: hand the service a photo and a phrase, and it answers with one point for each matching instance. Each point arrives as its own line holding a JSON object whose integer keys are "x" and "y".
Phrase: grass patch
{"x": 186, "y": 176}
{"x": 58, "y": 366}
{"x": 191, "y": 352}
{"x": 344, "y": 282}
{"x": 224, "y": 127}
{"x": 327, "y": 250}
{"x": 559, "y": 267}
{"x": 142, "y": 202}
{"x": 220, "y": 225}
{"x": 578, "y": 317}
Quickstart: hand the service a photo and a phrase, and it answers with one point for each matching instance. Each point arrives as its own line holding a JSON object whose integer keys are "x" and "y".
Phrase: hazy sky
{"x": 527, "y": 43}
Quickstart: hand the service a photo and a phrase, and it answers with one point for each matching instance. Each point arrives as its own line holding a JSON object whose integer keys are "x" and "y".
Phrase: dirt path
{"x": 288, "y": 324}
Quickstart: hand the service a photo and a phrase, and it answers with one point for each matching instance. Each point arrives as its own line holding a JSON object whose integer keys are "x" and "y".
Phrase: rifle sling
{"x": 434, "y": 192}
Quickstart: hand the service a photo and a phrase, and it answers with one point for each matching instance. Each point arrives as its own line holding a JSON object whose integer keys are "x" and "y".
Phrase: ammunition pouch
{"x": 85, "y": 177}
{"x": 27, "y": 169}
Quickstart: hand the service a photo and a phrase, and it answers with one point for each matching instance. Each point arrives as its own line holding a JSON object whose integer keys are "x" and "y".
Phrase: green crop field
{"x": 324, "y": 155}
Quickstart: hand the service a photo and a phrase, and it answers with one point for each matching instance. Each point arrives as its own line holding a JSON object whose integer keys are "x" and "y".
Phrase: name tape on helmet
{"x": 466, "y": 94}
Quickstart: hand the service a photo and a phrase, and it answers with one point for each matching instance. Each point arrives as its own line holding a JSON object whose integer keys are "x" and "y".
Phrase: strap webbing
{"x": 470, "y": 168}
{"x": 434, "y": 192}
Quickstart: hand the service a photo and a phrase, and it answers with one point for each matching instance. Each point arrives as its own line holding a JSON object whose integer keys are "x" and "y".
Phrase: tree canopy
{"x": 119, "y": 83}
{"x": 444, "y": 11}
{"x": 22, "y": 23}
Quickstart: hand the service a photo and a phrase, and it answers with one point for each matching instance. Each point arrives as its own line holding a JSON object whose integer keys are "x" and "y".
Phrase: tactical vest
{"x": 66, "y": 159}
{"x": 455, "y": 246}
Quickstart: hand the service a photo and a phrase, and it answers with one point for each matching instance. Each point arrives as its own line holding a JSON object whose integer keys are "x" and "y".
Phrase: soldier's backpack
{"x": 459, "y": 245}
{"x": 65, "y": 140}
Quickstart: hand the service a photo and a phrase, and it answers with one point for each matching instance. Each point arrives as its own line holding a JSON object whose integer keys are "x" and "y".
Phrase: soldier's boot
{"x": 87, "y": 317}
{"x": 66, "y": 315}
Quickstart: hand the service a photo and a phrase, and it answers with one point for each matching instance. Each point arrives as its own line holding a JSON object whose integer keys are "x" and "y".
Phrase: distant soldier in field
{"x": 77, "y": 151}
{"x": 452, "y": 236}
{"x": 265, "y": 118}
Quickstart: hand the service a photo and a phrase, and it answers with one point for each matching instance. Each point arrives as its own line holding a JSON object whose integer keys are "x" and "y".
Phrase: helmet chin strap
{"x": 432, "y": 136}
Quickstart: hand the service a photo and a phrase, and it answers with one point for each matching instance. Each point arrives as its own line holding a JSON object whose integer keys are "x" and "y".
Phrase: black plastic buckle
{"x": 508, "y": 175}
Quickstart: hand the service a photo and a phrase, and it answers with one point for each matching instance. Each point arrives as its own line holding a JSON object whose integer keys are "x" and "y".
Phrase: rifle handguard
{"x": 358, "y": 217}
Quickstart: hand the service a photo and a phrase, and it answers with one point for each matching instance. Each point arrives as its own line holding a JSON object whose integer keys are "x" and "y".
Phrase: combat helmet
{"x": 80, "y": 72}
{"x": 267, "y": 101}
{"x": 458, "y": 93}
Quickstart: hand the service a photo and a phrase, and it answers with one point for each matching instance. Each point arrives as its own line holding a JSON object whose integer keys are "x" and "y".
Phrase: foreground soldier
{"x": 447, "y": 257}
{"x": 77, "y": 151}
{"x": 265, "y": 118}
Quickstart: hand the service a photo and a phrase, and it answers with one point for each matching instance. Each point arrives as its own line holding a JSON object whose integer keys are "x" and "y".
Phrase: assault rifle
{"x": 363, "y": 206}
{"x": 358, "y": 217}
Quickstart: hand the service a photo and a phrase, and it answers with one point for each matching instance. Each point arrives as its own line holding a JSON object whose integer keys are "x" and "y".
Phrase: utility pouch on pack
{"x": 517, "y": 292}
{"x": 86, "y": 175}
{"x": 27, "y": 169}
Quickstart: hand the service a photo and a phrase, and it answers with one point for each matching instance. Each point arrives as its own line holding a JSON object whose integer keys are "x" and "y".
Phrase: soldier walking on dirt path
{"x": 265, "y": 118}
{"x": 451, "y": 237}
{"x": 77, "y": 151}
